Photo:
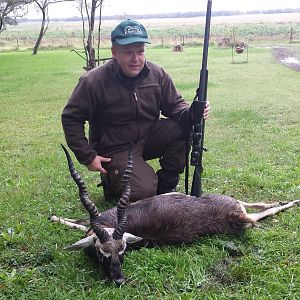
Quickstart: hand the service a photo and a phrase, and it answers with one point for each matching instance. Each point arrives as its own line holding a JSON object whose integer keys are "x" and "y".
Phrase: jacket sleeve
{"x": 77, "y": 111}
{"x": 173, "y": 106}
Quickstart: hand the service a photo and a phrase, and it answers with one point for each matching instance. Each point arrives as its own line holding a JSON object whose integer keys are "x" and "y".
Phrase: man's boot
{"x": 167, "y": 181}
{"x": 108, "y": 192}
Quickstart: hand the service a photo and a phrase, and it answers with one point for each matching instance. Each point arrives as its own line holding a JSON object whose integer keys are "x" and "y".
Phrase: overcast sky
{"x": 116, "y": 7}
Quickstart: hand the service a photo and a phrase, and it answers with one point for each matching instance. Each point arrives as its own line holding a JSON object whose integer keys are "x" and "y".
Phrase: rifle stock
{"x": 198, "y": 107}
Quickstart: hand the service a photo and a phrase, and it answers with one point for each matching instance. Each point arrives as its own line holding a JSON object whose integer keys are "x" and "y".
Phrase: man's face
{"x": 131, "y": 58}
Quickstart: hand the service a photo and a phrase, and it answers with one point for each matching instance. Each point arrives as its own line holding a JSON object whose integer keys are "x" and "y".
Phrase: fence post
{"x": 291, "y": 35}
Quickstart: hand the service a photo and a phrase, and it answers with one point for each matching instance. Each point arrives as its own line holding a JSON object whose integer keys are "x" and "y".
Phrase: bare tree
{"x": 10, "y": 10}
{"x": 43, "y": 5}
{"x": 87, "y": 10}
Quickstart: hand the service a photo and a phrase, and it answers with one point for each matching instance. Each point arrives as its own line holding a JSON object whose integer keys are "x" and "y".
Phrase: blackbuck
{"x": 164, "y": 219}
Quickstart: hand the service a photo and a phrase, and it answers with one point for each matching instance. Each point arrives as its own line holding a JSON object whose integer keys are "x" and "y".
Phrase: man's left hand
{"x": 206, "y": 110}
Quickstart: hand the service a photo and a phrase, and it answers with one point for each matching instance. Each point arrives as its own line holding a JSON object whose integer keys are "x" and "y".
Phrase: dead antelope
{"x": 165, "y": 219}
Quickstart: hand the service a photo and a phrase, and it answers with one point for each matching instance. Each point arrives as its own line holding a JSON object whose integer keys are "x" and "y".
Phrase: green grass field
{"x": 254, "y": 154}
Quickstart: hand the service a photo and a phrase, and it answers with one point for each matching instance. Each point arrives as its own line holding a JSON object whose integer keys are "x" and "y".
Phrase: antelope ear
{"x": 81, "y": 244}
{"x": 131, "y": 239}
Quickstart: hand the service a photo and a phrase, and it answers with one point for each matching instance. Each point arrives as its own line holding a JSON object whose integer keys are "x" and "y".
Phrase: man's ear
{"x": 113, "y": 51}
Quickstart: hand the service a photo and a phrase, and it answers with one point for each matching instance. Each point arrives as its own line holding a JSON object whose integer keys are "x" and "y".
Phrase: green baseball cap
{"x": 128, "y": 32}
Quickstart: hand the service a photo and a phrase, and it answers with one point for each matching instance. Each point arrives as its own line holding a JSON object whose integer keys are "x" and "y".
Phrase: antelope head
{"x": 108, "y": 244}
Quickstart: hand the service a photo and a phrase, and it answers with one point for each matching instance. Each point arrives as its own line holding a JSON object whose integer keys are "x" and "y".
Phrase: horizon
{"x": 65, "y": 10}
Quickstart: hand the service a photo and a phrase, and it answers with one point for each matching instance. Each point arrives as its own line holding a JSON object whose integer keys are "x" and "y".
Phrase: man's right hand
{"x": 96, "y": 164}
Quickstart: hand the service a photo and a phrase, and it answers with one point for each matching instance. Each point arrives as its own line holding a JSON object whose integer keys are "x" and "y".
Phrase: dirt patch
{"x": 289, "y": 56}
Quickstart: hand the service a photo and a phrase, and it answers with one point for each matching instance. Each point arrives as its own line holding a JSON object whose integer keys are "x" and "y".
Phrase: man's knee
{"x": 143, "y": 179}
{"x": 139, "y": 193}
{"x": 171, "y": 130}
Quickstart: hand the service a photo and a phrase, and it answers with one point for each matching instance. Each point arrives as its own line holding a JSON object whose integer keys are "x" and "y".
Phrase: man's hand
{"x": 96, "y": 164}
{"x": 206, "y": 110}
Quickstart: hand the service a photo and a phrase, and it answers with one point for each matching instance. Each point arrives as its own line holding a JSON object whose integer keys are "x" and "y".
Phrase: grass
{"x": 253, "y": 141}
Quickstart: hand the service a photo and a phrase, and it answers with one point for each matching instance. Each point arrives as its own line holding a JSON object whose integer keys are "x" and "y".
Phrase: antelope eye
{"x": 121, "y": 249}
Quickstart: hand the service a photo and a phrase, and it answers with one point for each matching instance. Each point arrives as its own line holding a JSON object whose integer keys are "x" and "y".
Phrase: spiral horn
{"x": 124, "y": 200}
{"x": 85, "y": 200}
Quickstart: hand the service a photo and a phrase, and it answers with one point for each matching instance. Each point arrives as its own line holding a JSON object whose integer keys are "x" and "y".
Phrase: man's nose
{"x": 134, "y": 56}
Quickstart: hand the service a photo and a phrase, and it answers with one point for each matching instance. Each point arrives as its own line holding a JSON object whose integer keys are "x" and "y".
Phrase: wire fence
{"x": 66, "y": 36}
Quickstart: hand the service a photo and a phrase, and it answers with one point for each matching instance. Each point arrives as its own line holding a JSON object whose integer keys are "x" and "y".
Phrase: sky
{"x": 119, "y": 7}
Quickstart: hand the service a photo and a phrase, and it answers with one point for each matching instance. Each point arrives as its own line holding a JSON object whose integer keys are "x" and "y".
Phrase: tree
{"x": 43, "y": 6}
{"x": 87, "y": 10}
{"x": 10, "y": 10}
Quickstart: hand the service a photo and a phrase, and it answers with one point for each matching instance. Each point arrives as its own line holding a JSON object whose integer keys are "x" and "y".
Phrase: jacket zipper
{"x": 137, "y": 114}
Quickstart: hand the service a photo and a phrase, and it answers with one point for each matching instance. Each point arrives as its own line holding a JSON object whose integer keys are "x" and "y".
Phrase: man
{"x": 122, "y": 100}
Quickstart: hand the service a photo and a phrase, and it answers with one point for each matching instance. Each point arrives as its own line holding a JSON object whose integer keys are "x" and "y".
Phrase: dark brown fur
{"x": 178, "y": 218}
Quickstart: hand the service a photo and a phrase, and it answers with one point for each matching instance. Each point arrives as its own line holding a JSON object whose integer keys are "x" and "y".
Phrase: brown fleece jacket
{"x": 120, "y": 110}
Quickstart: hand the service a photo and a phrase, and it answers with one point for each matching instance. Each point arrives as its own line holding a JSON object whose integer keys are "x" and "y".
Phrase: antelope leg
{"x": 272, "y": 211}
{"x": 260, "y": 205}
{"x": 68, "y": 223}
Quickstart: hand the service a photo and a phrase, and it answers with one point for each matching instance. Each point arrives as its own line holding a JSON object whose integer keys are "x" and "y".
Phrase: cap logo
{"x": 132, "y": 30}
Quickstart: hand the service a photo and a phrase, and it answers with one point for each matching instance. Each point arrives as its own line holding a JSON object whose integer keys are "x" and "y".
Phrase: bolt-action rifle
{"x": 198, "y": 107}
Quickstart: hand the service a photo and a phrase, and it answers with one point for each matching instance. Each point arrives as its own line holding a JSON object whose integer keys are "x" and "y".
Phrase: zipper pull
{"x": 135, "y": 96}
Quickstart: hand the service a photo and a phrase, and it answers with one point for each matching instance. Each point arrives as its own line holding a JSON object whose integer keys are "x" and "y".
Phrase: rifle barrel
{"x": 203, "y": 78}
{"x": 198, "y": 110}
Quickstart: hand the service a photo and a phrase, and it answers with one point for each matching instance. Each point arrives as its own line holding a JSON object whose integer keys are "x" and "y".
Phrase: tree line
{"x": 190, "y": 14}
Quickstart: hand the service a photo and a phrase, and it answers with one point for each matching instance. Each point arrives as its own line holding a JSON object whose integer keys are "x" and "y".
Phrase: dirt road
{"x": 289, "y": 56}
